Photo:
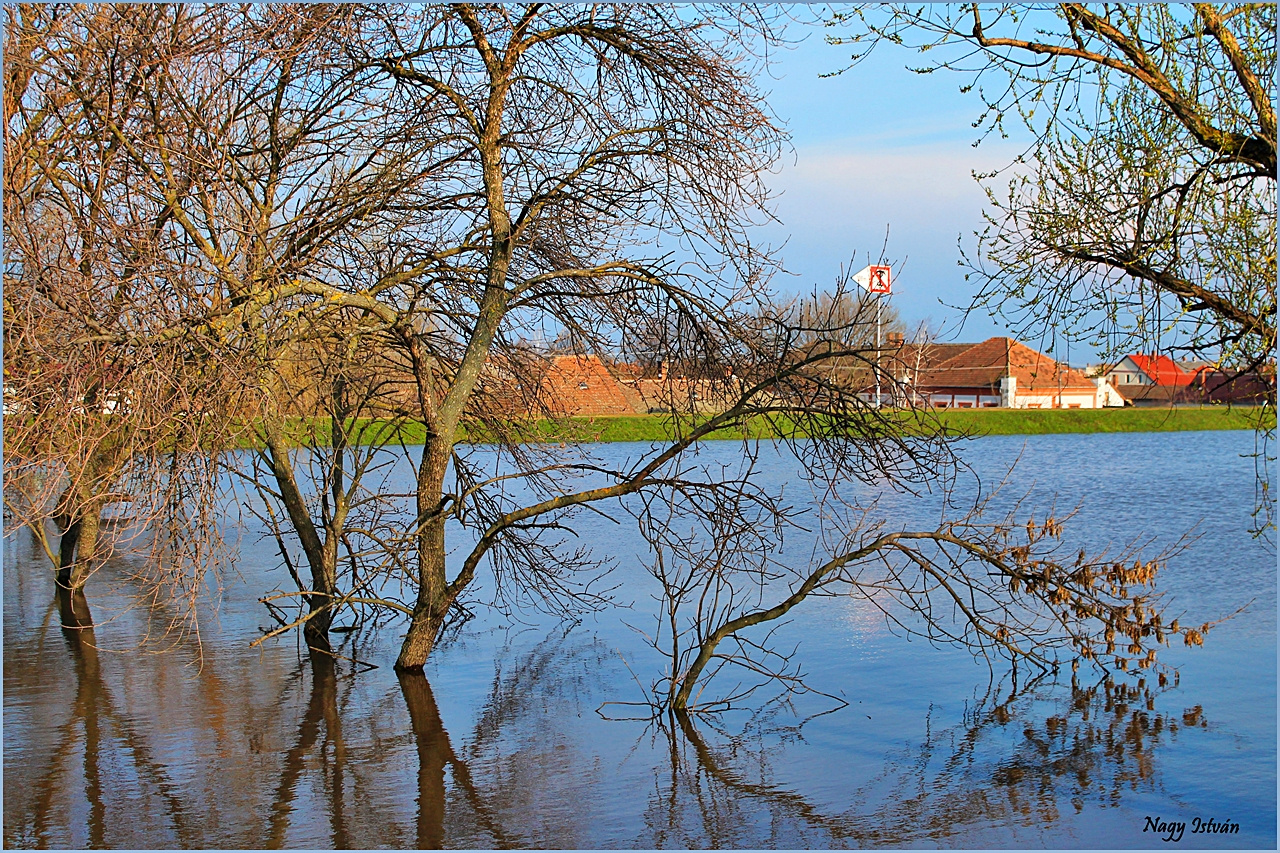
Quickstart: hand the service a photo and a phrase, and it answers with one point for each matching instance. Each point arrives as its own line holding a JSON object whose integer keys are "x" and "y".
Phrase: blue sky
{"x": 882, "y": 147}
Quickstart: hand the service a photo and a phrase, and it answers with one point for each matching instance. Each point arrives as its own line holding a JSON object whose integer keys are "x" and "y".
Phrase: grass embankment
{"x": 1048, "y": 421}
{"x": 984, "y": 422}
{"x": 969, "y": 421}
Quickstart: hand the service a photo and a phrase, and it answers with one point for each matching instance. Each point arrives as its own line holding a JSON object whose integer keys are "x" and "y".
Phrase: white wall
{"x": 1049, "y": 399}
{"x": 1128, "y": 373}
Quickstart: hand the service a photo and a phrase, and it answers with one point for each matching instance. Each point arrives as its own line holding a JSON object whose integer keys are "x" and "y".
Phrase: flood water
{"x": 110, "y": 740}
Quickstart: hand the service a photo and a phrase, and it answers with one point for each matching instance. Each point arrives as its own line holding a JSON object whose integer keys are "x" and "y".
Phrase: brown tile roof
{"x": 984, "y": 365}
{"x": 927, "y": 356}
{"x": 1164, "y": 395}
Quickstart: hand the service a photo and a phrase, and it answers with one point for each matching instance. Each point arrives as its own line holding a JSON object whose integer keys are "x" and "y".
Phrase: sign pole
{"x": 875, "y": 280}
{"x": 879, "y": 299}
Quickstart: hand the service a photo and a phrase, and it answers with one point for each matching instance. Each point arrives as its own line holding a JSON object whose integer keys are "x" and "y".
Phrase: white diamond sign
{"x": 874, "y": 279}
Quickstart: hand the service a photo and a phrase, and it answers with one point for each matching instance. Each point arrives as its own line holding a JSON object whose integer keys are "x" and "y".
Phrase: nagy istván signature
{"x": 1173, "y": 830}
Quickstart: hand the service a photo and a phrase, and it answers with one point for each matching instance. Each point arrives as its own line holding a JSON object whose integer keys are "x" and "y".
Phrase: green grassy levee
{"x": 988, "y": 422}
{"x": 1049, "y": 421}
{"x": 617, "y": 428}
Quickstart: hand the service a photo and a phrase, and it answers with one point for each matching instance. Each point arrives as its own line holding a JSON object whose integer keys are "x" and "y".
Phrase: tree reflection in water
{"x": 1008, "y": 763}
{"x": 482, "y": 812}
{"x": 102, "y": 734}
{"x": 332, "y": 758}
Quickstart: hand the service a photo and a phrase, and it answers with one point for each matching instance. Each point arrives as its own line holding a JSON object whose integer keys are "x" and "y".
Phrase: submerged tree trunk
{"x": 67, "y": 554}
{"x": 78, "y": 548}
{"x": 434, "y": 598}
{"x": 73, "y": 607}
{"x": 324, "y": 580}
{"x": 79, "y": 513}
{"x": 321, "y": 556}
{"x": 316, "y": 630}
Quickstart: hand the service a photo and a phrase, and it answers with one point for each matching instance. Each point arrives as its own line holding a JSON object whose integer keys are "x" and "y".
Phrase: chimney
{"x": 895, "y": 340}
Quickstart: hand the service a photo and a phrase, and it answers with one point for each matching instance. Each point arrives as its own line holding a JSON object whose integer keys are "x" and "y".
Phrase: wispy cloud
{"x": 837, "y": 187}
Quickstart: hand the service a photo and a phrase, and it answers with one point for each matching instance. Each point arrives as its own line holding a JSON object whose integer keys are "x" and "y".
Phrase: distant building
{"x": 1138, "y": 370}
{"x": 1157, "y": 380}
{"x": 1254, "y": 387}
{"x": 997, "y": 373}
{"x": 582, "y": 385}
{"x": 1193, "y": 366}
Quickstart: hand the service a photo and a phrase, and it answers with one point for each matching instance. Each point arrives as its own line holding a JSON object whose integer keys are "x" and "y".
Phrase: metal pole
{"x": 877, "y": 368}
{"x": 1059, "y": 372}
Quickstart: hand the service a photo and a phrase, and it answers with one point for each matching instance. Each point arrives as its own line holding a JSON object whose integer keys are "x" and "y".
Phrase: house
{"x": 999, "y": 372}
{"x": 1253, "y": 387}
{"x": 1160, "y": 395}
{"x": 1137, "y": 371}
{"x": 1194, "y": 365}
{"x": 1157, "y": 380}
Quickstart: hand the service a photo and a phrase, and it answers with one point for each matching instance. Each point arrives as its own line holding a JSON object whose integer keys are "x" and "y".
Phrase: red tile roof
{"x": 1162, "y": 369}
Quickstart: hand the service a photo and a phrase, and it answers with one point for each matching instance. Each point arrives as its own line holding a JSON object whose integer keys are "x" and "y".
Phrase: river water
{"x": 118, "y": 738}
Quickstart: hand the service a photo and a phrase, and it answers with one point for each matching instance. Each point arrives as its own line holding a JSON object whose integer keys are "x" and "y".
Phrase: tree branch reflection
{"x": 1013, "y": 760}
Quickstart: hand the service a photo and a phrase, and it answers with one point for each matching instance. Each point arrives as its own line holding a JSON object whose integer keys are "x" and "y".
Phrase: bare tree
{"x": 579, "y": 138}
{"x": 266, "y": 157}
{"x": 358, "y": 213}
{"x": 847, "y": 318}
{"x": 110, "y": 398}
{"x": 995, "y": 585}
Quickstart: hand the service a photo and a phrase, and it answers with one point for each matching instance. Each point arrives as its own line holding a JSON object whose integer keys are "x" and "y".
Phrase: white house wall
{"x": 1049, "y": 400}
{"x": 1127, "y": 372}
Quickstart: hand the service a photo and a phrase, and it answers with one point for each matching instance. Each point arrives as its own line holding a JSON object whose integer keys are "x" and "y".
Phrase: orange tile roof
{"x": 582, "y": 385}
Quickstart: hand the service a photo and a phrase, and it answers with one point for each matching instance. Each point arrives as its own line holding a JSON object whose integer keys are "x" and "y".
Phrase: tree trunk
{"x": 324, "y": 580}
{"x": 321, "y": 556}
{"x": 67, "y": 553}
{"x": 74, "y": 610}
{"x": 79, "y": 513}
{"x": 433, "y": 589}
{"x": 77, "y": 549}
{"x": 433, "y": 600}
{"x": 419, "y": 641}
{"x": 316, "y": 630}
